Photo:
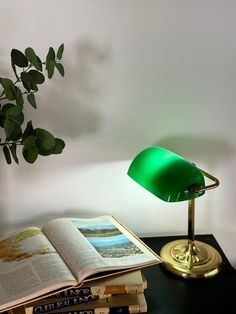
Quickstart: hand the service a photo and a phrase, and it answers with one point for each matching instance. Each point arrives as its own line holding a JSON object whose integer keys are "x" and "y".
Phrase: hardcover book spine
{"x": 121, "y": 289}
{"x": 52, "y": 306}
{"x": 72, "y": 292}
{"x": 99, "y": 290}
{"x": 105, "y": 310}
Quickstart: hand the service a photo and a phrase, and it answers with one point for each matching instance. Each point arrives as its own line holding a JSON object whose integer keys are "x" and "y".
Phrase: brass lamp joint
{"x": 196, "y": 189}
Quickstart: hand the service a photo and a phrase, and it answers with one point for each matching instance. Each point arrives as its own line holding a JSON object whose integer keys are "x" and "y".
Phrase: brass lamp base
{"x": 191, "y": 259}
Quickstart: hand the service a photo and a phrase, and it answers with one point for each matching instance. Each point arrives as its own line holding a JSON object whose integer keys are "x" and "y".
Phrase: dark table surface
{"x": 171, "y": 294}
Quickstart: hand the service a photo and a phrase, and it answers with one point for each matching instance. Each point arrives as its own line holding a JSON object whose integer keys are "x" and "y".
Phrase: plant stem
{"x": 10, "y": 143}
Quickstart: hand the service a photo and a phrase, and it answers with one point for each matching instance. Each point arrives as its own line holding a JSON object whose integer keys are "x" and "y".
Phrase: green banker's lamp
{"x": 173, "y": 179}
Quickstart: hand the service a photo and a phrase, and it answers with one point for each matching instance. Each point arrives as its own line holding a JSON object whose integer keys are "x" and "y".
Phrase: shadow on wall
{"x": 196, "y": 148}
{"x": 69, "y": 107}
{"x": 72, "y": 104}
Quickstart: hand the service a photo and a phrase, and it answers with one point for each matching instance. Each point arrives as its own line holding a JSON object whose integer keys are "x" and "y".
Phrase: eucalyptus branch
{"x": 35, "y": 141}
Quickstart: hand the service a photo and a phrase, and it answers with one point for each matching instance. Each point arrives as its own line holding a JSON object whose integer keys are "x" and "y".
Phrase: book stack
{"x": 116, "y": 294}
{"x": 74, "y": 265}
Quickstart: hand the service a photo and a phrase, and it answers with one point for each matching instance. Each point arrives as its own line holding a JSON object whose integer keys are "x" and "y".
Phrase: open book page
{"x": 93, "y": 245}
{"x": 29, "y": 267}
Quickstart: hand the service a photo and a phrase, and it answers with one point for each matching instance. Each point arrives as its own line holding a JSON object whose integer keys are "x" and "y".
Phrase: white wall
{"x": 138, "y": 73}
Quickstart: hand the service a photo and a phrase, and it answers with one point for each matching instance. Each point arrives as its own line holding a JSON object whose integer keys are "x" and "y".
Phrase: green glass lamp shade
{"x": 166, "y": 174}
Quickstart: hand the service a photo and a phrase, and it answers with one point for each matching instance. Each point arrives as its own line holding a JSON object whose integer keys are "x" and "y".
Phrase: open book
{"x": 66, "y": 252}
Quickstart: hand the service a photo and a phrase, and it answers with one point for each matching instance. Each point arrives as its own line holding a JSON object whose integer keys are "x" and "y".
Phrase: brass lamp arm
{"x": 207, "y": 187}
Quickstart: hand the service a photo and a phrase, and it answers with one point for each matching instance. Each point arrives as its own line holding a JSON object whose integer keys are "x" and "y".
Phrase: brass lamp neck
{"x": 191, "y": 217}
{"x": 191, "y": 203}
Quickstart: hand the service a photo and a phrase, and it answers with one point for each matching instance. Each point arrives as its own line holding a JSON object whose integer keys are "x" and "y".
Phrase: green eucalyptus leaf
{"x": 19, "y": 98}
{"x": 11, "y": 118}
{"x": 50, "y": 68}
{"x": 40, "y": 68}
{"x": 29, "y": 142}
{"x": 9, "y": 87}
{"x": 9, "y": 127}
{"x": 14, "y": 69}
{"x": 28, "y": 81}
{"x": 59, "y": 146}
{"x": 12, "y": 129}
{"x": 7, "y": 154}
{"x": 60, "y": 69}
{"x": 32, "y": 58}
{"x": 2, "y": 118}
{"x": 13, "y": 112}
{"x": 11, "y": 93}
{"x": 44, "y": 139}
{"x": 50, "y": 55}
{"x": 8, "y": 106}
{"x": 57, "y": 149}
{"x": 34, "y": 87}
{"x": 29, "y": 130}
{"x": 30, "y": 154}
{"x": 44, "y": 152}
{"x": 31, "y": 100}
{"x": 18, "y": 58}
{"x": 37, "y": 77}
{"x": 60, "y": 51}
{"x": 13, "y": 152}
{"x": 30, "y": 149}
{"x": 50, "y": 62}
{"x": 6, "y": 83}
{"x": 25, "y": 76}
{"x": 26, "y": 84}
{"x": 33, "y": 77}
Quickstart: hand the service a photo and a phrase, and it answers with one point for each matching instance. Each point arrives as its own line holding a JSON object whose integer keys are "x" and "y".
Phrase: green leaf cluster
{"x": 40, "y": 142}
{"x": 29, "y": 72}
